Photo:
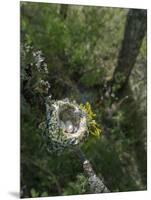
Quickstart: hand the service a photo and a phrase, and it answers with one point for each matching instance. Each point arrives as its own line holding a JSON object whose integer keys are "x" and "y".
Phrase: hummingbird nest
{"x": 66, "y": 125}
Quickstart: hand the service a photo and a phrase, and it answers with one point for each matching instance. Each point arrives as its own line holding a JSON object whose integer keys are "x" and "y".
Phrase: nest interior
{"x": 69, "y": 119}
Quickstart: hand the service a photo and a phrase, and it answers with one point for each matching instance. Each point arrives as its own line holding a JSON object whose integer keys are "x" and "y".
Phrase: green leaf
{"x": 34, "y": 193}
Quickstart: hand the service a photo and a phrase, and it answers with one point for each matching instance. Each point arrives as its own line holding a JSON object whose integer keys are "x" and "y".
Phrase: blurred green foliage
{"x": 80, "y": 50}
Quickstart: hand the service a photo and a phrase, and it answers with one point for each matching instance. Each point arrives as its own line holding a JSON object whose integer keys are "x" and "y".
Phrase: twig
{"x": 96, "y": 183}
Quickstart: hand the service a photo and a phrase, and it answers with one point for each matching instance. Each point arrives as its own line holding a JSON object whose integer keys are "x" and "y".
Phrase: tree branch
{"x": 96, "y": 183}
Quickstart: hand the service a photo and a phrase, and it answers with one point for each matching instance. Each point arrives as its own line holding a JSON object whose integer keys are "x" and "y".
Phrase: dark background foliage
{"x": 90, "y": 54}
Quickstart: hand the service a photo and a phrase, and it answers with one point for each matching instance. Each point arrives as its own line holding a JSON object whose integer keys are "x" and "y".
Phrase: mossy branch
{"x": 96, "y": 183}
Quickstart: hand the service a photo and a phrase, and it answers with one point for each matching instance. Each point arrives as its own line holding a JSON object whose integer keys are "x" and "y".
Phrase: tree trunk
{"x": 135, "y": 30}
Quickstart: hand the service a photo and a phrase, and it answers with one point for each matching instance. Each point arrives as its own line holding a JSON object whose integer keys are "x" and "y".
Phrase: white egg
{"x": 69, "y": 126}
